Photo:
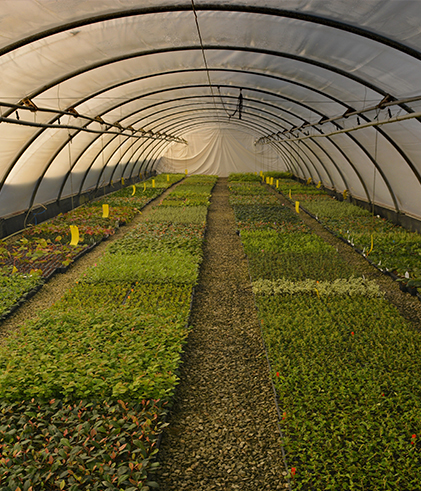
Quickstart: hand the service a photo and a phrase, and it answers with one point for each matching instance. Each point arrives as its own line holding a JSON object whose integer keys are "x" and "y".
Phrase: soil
{"x": 223, "y": 432}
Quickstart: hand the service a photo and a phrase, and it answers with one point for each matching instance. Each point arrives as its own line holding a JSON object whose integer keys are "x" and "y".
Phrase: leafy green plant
{"x": 14, "y": 287}
{"x": 158, "y": 267}
{"x": 189, "y": 214}
{"x": 60, "y": 444}
{"x": 96, "y": 370}
{"x": 244, "y": 177}
{"x": 344, "y": 362}
{"x": 346, "y": 372}
{"x": 340, "y": 287}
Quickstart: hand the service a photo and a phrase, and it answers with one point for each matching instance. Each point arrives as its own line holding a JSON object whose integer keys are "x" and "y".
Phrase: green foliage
{"x": 203, "y": 180}
{"x": 13, "y": 287}
{"x": 194, "y": 215}
{"x": 270, "y": 241}
{"x": 275, "y": 214}
{"x": 340, "y": 287}
{"x": 395, "y": 249}
{"x": 190, "y": 201}
{"x": 175, "y": 267}
{"x": 248, "y": 188}
{"x": 331, "y": 208}
{"x": 344, "y": 362}
{"x": 244, "y": 177}
{"x": 299, "y": 267}
{"x": 116, "y": 336}
{"x": 278, "y": 175}
{"x": 60, "y": 445}
{"x": 264, "y": 199}
{"x": 348, "y": 382}
{"x": 100, "y": 353}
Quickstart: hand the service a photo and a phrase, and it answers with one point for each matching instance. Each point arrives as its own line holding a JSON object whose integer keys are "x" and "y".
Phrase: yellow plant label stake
{"x": 153, "y": 183}
{"x": 309, "y": 180}
{"x": 144, "y": 186}
{"x": 186, "y": 172}
{"x": 345, "y": 194}
{"x": 289, "y": 194}
{"x": 261, "y": 173}
{"x": 168, "y": 177}
{"x": 134, "y": 190}
{"x": 105, "y": 211}
{"x": 319, "y": 184}
{"x": 75, "y": 235}
{"x": 271, "y": 181}
{"x": 277, "y": 183}
{"x": 122, "y": 181}
{"x": 372, "y": 245}
{"x": 297, "y": 206}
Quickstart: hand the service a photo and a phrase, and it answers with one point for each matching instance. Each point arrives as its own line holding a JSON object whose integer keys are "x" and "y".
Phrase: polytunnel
{"x": 102, "y": 90}
{"x": 210, "y": 249}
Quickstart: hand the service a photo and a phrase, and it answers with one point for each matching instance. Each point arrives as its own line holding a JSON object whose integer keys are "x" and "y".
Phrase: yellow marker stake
{"x": 297, "y": 206}
{"x": 105, "y": 211}
{"x": 122, "y": 181}
{"x": 153, "y": 183}
{"x": 261, "y": 174}
{"x": 289, "y": 194}
{"x": 134, "y": 190}
{"x": 309, "y": 180}
{"x": 319, "y": 184}
{"x": 75, "y": 235}
{"x": 186, "y": 172}
{"x": 271, "y": 181}
{"x": 345, "y": 194}
{"x": 277, "y": 183}
{"x": 168, "y": 177}
{"x": 144, "y": 186}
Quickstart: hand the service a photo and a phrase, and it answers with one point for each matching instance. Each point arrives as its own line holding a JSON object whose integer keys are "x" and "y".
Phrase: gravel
{"x": 223, "y": 432}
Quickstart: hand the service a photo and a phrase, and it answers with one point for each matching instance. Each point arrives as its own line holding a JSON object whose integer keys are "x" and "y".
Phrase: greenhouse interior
{"x": 210, "y": 256}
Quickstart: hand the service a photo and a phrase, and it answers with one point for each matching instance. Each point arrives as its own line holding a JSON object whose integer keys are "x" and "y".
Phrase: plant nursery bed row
{"x": 97, "y": 370}
{"x": 393, "y": 250}
{"x": 43, "y": 250}
{"x": 344, "y": 362}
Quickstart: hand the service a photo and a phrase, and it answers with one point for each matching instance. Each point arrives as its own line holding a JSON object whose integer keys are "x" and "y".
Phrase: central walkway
{"x": 223, "y": 433}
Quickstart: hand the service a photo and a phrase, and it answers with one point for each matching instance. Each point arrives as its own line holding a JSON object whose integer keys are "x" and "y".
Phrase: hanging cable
{"x": 239, "y": 107}
{"x": 203, "y": 52}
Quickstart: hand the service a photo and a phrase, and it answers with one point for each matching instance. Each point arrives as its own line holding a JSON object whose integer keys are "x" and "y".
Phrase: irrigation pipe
{"x": 345, "y": 130}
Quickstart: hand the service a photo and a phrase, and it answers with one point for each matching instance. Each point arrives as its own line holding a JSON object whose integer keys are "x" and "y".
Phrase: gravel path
{"x": 223, "y": 431}
{"x": 57, "y": 286}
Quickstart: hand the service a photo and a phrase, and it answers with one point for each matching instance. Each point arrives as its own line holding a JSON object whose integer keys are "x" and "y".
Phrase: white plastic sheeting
{"x": 220, "y": 151}
{"x": 140, "y": 63}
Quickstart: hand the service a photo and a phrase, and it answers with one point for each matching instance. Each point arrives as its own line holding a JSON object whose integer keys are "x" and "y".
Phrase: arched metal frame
{"x": 234, "y": 8}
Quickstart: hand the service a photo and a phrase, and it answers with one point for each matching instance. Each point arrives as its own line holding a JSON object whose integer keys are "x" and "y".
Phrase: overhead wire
{"x": 204, "y": 56}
